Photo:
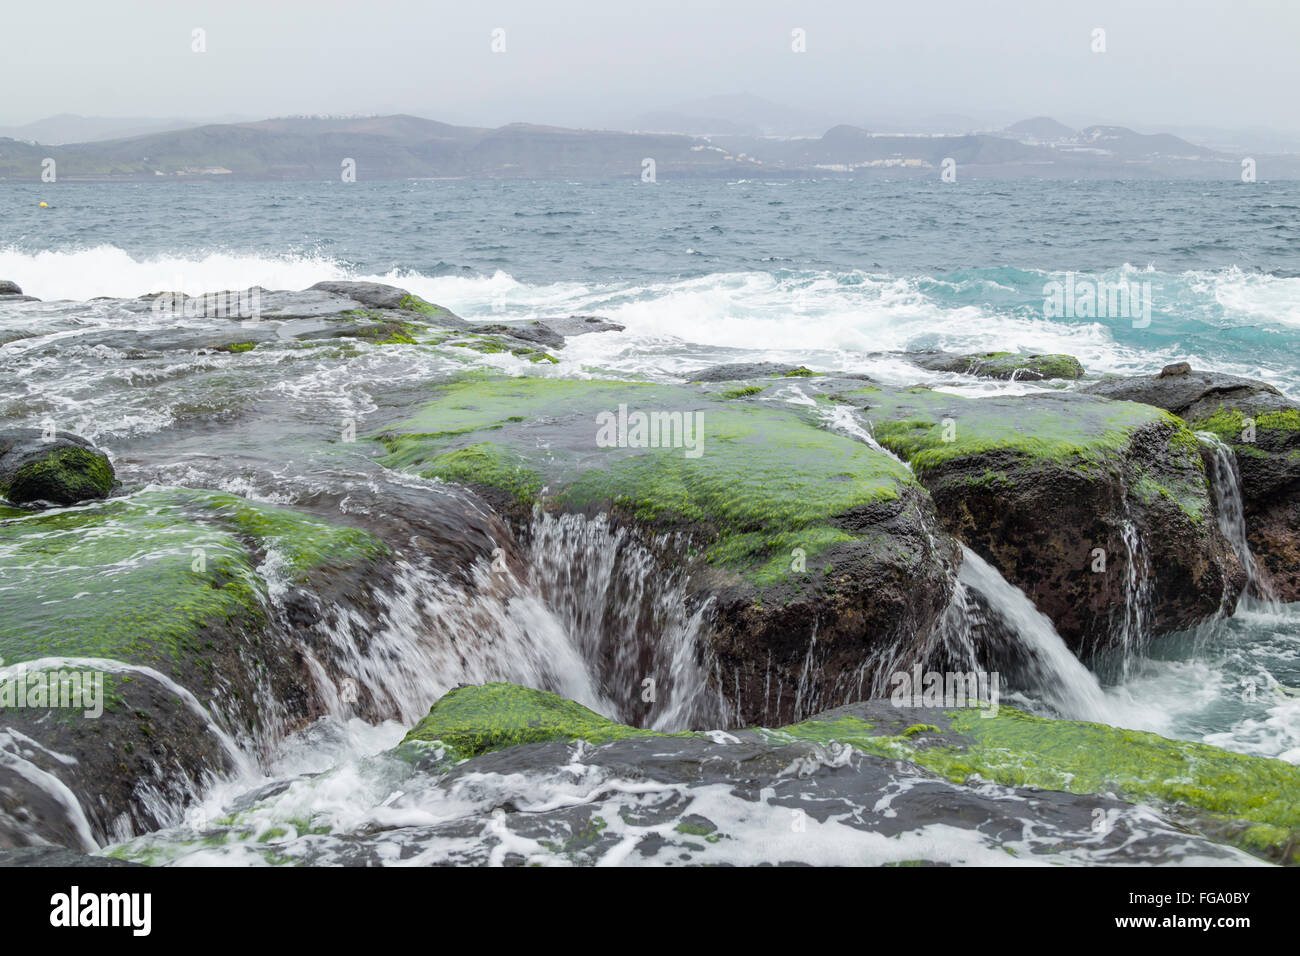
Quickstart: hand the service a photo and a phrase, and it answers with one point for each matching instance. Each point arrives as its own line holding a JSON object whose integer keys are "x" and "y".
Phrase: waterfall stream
{"x": 591, "y": 615}
{"x": 1230, "y": 510}
{"x": 994, "y": 626}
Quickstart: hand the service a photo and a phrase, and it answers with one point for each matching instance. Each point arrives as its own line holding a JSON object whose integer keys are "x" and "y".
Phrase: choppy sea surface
{"x": 834, "y": 274}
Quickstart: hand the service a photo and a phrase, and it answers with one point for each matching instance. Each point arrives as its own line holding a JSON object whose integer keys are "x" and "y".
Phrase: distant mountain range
{"x": 70, "y": 128}
{"x": 401, "y": 147}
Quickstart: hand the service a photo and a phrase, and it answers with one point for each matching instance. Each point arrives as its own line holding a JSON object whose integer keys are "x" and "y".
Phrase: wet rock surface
{"x": 1262, "y": 427}
{"x": 79, "y": 779}
{"x": 190, "y": 665}
{"x": 10, "y": 293}
{"x": 236, "y": 321}
{"x": 52, "y": 467}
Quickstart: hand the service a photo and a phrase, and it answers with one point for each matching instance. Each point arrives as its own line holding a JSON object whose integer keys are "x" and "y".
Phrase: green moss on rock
{"x": 146, "y": 578}
{"x": 933, "y": 430}
{"x": 486, "y": 464}
{"x": 1019, "y": 749}
{"x": 382, "y": 329}
{"x": 1211, "y": 786}
{"x": 413, "y": 303}
{"x": 475, "y": 720}
{"x": 764, "y": 482}
{"x": 1014, "y": 365}
{"x": 65, "y": 475}
{"x": 1230, "y": 423}
{"x": 742, "y": 392}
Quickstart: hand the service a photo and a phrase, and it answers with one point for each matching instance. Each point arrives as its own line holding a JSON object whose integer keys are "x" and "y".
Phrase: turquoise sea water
{"x": 833, "y": 266}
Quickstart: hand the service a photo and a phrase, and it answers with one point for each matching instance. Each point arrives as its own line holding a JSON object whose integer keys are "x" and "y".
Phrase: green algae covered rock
{"x": 152, "y": 578}
{"x": 162, "y": 599}
{"x": 761, "y": 479}
{"x": 472, "y": 720}
{"x": 791, "y": 529}
{"x": 1266, "y": 445}
{"x": 1004, "y": 365}
{"x": 1065, "y": 494}
{"x": 63, "y": 470}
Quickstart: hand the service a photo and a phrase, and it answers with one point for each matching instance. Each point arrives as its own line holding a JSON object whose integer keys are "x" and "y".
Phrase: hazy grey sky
{"x": 1232, "y": 63}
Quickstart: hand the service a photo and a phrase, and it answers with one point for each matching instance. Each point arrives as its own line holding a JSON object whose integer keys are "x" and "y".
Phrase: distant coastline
{"x": 408, "y": 147}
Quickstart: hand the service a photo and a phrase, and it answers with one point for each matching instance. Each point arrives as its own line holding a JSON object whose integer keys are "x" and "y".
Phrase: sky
{"x": 1231, "y": 64}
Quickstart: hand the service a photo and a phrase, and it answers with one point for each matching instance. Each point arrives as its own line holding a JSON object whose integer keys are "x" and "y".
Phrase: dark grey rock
{"x": 535, "y": 332}
{"x": 1192, "y": 395}
{"x": 373, "y": 295}
{"x": 63, "y": 471}
{"x": 549, "y": 333}
{"x": 693, "y": 800}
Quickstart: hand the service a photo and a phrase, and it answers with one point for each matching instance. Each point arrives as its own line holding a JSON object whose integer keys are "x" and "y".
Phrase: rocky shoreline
{"x": 801, "y": 533}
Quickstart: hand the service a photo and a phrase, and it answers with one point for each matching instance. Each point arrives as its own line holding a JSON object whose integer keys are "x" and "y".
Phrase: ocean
{"x": 823, "y": 270}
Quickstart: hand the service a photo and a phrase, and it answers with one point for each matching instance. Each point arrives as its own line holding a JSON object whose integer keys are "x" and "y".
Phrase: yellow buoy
{"x": 45, "y": 205}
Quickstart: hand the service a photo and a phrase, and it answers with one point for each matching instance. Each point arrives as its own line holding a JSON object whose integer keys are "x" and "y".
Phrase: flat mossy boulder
{"x": 475, "y": 719}
{"x": 1262, "y": 427}
{"x": 1002, "y": 365}
{"x": 1099, "y": 510}
{"x": 821, "y": 555}
{"x": 58, "y": 469}
{"x": 165, "y": 595}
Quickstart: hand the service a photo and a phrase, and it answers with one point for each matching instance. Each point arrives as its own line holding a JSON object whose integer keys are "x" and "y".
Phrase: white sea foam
{"x": 839, "y": 320}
